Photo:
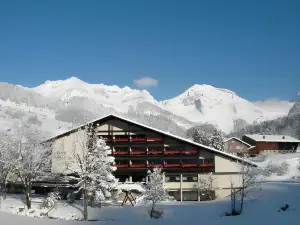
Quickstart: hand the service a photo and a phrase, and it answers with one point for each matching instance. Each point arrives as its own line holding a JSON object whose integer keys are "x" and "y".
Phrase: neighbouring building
{"x": 138, "y": 148}
{"x": 236, "y": 146}
{"x": 270, "y": 144}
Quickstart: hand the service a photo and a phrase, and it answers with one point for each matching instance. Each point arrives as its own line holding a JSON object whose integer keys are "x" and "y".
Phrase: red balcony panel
{"x": 189, "y": 151}
{"x": 120, "y": 153}
{"x": 108, "y": 140}
{"x": 122, "y": 166}
{"x": 171, "y": 165}
{"x": 138, "y": 153}
{"x": 138, "y": 165}
{"x": 154, "y": 165}
{"x": 174, "y": 152}
{"x": 186, "y": 165}
{"x": 120, "y": 139}
{"x": 207, "y": 165}
{"x": 154, "y": 139}
{"x": 155, "y": 152}
{"x": 138, "y": 139}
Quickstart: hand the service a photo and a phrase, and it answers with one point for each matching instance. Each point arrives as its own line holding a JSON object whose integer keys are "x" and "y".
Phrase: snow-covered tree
{"x": 206, "y": 186}
{"x": 6, "y": 161}
{"x": 200, "y": 137}
{"x": 216, "y": 140}
{"x": 155, "y": 189}
{"x": 94, "y": 168}
{"x": 32, "y": 157}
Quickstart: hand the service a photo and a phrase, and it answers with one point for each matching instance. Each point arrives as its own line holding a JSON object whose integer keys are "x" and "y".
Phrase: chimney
{"x": 264, "y": 136}
{"x": 283, "y": 137}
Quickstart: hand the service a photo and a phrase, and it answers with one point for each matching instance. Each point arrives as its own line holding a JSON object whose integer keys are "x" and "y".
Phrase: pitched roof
{"x": 228, "y": 139}
{"x": 155, "y": 130}
{"x": 271, "y": 138}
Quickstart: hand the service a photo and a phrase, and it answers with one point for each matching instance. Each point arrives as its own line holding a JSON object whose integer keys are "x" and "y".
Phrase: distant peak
{"x": 75, "y": 79}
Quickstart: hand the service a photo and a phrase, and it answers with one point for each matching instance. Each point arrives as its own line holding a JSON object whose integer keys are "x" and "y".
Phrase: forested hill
{"x": 287, "y": 125}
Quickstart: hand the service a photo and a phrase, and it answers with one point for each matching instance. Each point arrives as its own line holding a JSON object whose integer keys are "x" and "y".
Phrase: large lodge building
{"x": 138, "y": 148}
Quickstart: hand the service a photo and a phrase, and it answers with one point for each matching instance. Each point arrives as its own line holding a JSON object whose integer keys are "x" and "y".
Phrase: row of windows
{"x": 169, "y": 161}
{"x": 185, "y": 178}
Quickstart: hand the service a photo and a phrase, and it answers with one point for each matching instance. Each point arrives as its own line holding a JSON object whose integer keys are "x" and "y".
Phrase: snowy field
{"x": 262, "y": 206}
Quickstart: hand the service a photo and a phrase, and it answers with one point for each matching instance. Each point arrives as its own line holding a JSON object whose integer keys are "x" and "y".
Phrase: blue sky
{"x": 251, "y": 47}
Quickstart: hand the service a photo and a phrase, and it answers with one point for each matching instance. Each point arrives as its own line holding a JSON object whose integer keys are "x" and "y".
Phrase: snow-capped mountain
{"x": 56, "y": 105}
{"x": 221, "y": 107}
{"x": 109, "y": 96}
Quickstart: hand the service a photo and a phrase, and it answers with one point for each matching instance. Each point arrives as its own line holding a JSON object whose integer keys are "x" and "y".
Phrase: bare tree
{"x": 240, "y": 188}
{"x": 26, "y": 158}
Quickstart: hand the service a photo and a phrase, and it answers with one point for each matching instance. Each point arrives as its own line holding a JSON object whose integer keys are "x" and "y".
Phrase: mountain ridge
{"x": 73, "y": 99}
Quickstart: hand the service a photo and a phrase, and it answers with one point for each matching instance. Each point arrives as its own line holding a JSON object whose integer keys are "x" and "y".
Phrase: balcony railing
{"x": 154, "y": 139}
{"x": 138, "y": 153}
{"x": 138, "y": 139}
{"x": 206, "y": 165}
{"x": 138, "y": 165}
{"x": 188, "y": 165}
{"x": 122, "y": 166}
{"x": 120, "y": 153}
{"x": 155, "y": 152}
{"x": 120, "y": 139}
{"x": 174, "y": 165}
{"x": 154, "y": 165}
{"x": 189, "y": 152}
{"x": 172, "y": 152}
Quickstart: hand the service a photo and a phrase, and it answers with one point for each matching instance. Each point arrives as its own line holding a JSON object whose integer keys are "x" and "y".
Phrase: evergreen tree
{"x": 216, "y": 140}
{"x": 155, "y": 189}
{"x": 200, "y": 137}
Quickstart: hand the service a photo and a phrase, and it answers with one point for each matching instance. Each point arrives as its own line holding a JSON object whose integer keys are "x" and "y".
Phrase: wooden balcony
{"x": 138, "y": 140}
{"x": 154, "y": 139}
{"x": 120, "y": 153}
{"x": 108, "y": 140}
{"x": 122, "y": 166}
{"x": 207, "y": 165}
{"x": 188, "y": 165}
{"x": 138, "y": 153}
{"x": 172, "y": 165}
{"x": 137, "y": 165}
{"x": 154, "y": 165}
{"x": 120, "y": 140}
{"x": 155, "y": 152}
{"x": 189, "y": 152}
{"x": 172, "y": 152}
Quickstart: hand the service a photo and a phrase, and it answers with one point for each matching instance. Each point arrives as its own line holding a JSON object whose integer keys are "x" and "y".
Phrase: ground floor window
{"x": 190, "y": 196}
{"x": 175, "y": 195}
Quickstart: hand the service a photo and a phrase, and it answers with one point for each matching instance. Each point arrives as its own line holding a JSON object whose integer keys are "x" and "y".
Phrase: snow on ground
{"x": 262, "y": 206}
{"x": 292, "y": 159}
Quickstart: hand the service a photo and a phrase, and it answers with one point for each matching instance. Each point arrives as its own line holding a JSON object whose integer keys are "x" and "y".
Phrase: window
{"x": 172, "y": 178}
{"x": 190, "y": 178}
{"x": 190, "y": 196}
{"x": 175, "y": 195}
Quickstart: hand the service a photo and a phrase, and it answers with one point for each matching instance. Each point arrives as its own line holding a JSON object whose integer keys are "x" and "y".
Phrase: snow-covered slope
{"x": 109, "y": 96}
{"x": 207, "y": 104}
{"x": 73, "y": 100}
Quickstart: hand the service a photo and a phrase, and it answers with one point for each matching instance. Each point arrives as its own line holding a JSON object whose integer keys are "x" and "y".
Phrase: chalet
{"x": 269, "y": 144}
{"x": 236, "y": 146}
{"x": 138, "y": 148}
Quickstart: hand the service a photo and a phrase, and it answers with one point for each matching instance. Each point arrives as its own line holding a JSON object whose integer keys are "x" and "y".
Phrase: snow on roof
{"x": 269, "y": 138}
{"x": 228, "y": 139}
{"x": 158, "y": 131}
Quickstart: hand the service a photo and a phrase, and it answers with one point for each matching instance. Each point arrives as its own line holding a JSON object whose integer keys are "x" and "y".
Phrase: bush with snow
{"x": 278, "y": 169}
